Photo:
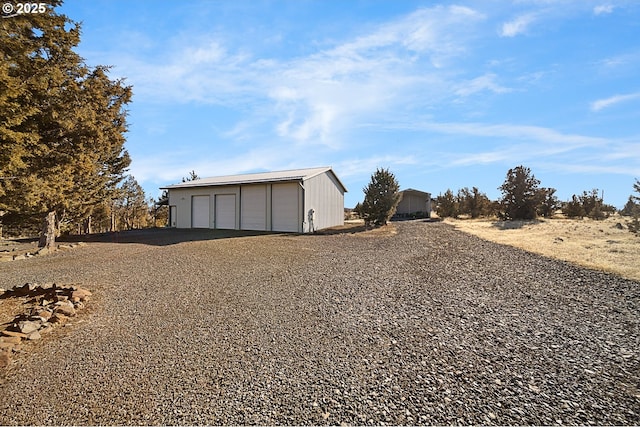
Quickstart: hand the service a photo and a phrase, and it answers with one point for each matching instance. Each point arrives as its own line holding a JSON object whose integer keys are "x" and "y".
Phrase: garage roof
{"x": 411, "y": 190}
{"x": 262, "y": 177}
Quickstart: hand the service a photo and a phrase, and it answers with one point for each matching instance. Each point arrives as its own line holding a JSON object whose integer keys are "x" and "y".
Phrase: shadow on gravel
{"x": 515, "y": 224}
{"x": 162, "y": 236}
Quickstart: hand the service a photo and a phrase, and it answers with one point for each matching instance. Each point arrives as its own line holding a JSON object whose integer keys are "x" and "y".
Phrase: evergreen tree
{"x": 549, "y": 203}
{"x": 574, "y": 208}
{"x": 62, "y": 123}
{"x": 447, "y": 205}
{"x": 473, "y": 202}
{"x": 192, "y": 177}
{"x": 381, "y": 197}
{"x": 629, "y": 207}
{"x": 521, "y": 195}
{"x": 634, "y": 224}
{"x": 131, "y": 204}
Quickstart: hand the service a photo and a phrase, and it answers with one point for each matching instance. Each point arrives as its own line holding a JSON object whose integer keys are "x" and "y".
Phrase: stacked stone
{"x": 51, "y": 305}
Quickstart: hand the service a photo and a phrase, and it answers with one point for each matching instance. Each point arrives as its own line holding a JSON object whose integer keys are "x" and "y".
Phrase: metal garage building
{"x": 414, "y": 203}
{"x": 301, "y": 200}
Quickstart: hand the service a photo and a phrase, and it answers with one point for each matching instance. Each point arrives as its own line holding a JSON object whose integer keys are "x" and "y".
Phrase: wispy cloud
{"x": 486, "y": 82}
{"x": 613, "y": 100}
{"x": 311, "y": 99}
{"x": 603, "y": 9}
{"x": 536, "y": 134}
{"x": 517, "y": 25}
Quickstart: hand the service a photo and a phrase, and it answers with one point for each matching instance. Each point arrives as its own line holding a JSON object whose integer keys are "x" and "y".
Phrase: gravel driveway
{"x": 428, "y": 326}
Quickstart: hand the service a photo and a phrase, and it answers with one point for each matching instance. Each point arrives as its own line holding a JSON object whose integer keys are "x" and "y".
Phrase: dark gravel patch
{"x": 430, "y": 326}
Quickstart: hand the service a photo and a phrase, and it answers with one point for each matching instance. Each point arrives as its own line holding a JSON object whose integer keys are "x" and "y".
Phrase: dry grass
{"x": 599, "y": 245}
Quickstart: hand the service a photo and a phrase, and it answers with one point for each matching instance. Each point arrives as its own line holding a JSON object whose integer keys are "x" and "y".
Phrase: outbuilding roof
{"x": 411, "y": 190}
{"x": 261, "y": 177}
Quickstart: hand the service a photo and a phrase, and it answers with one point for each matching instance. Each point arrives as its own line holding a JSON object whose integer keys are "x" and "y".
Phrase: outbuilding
{"x": 300, "y": 200}
{"x": 414, "y": 203}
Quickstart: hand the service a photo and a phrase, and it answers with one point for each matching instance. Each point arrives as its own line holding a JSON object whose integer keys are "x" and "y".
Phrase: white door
{"x": 253, "y": 207}
{"x": 200, "y": 212}
{"x": 285, "y": 208}
{"x": 226, "y": 211}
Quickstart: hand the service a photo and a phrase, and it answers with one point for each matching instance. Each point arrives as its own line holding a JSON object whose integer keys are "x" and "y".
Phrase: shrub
{"x": 573, "y": 208}
{"x": 447, "y": 205}
{"x": 381, "y": 197}
{"x": 549, "y": 203}
{"x": 473, "y": 202}
{"x": 520, "y": 194}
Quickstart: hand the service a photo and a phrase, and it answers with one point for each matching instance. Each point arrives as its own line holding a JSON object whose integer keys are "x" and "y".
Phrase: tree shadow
{"x": 161, "y": 236}
{"x": 353, "y": 229}
{"x": 515, "y": 224}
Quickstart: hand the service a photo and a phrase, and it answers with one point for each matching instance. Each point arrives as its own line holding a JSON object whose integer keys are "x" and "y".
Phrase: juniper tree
{"x": 573, "y": 208}
{"x": 62, "y": 123}
{"x": 447, "y": 205}
{"x": 381, "y": 197}
{"x": 472, "y": 202}
{"x": 634, "y": 224}
{"x": 548, "y": 202}
{"x": 520, "y": 194}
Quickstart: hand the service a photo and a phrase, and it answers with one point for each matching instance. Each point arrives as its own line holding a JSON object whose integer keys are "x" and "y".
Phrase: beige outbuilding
{"x": 414, "y": 203}
{"x": 300, "y": 200}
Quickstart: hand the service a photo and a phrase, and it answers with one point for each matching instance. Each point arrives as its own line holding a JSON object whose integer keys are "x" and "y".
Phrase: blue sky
{"x": 444, "y": 94}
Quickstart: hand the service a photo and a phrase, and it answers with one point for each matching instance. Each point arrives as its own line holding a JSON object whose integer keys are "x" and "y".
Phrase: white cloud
{"x": 517, "y": 26}
{"x": 486, "y": 82}
{"x": 311, "y": 99}
{"x": 603, "y": 9}
{"x": 364, "y": 166}
{"x": 608, "y": 102}
{"x": 542, "y": 136}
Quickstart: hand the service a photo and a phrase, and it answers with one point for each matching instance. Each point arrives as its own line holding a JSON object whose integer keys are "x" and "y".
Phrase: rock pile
{"x": 50, "y": 305}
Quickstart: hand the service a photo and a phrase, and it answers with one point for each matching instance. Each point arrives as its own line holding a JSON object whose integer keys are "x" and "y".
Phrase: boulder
{"x": 46, "y": 329}
{"x": 28, "y": 326}
{"x": 42, "y": 313}
{"x": 58, "y": 318}
{"x": 65, "y": 310}
{"x": 80, "y": 295}
{"x": 35, "y": 335}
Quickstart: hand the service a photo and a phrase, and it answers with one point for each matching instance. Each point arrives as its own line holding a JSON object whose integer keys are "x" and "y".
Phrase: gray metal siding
{"x": 280, "y": 206}
{"x": 324, "y": 195}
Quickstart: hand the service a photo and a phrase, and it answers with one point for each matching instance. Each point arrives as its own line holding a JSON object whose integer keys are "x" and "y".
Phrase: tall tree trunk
{"x": 48, "y": 235}
{"x": 87, "y": 225}
{"x": 1, "y": 215}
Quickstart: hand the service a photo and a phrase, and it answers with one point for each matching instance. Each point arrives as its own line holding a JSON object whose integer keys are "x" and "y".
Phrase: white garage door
{"x": 200, "y": 212}
{"x": 253, "y": 207}
{"x": 285, "y": 215}
{"x": 226, "y": 211}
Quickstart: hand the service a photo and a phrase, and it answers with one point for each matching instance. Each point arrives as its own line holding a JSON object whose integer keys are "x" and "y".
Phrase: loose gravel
{"x": 428, "y": 326}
